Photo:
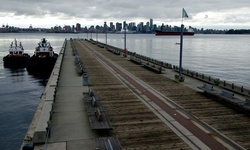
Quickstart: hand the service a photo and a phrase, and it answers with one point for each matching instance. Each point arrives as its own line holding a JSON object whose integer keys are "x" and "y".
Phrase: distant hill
{"x": 239, "y": 31}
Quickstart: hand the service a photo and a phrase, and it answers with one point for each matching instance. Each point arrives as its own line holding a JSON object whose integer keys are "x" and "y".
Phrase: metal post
{"x": 106, "y": 39}
{"x": 96, "y": 36}
{"x": 125, "y": 47}
{"x": 181, "y": 43}
{"x": 87, "y": 35}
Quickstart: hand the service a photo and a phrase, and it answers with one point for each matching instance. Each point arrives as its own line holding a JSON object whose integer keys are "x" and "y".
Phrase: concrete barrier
{"x": 54, "y": 80}
{"x": 135, "y": 60}
{"x": 235, "y": 88}
{"x": 199, "y": 76}
{"x": 50, "y": 94}
{"x": 42, "y": 127}
{"x": 43, "y": 124}
{"x": 167, "y": 65}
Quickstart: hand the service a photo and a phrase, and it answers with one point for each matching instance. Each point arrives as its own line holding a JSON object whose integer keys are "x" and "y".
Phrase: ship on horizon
{"x": 190, "y": 32}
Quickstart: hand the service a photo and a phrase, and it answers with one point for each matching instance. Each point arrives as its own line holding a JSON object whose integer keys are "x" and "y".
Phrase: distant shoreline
{"x": 229, "y": 32}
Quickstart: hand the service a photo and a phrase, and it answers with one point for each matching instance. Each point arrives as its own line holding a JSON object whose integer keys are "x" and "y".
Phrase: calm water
{"x": 223, "y": 56}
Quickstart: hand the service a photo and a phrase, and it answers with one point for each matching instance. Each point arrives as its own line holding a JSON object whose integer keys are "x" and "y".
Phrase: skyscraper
{"x": 118, "y": 26}
{"x": 105, "y": 27}
{"x": 78, "y": 27}
{"x": 112, "y": 27}
{"x": 151, "y": 25}
{"x": 124, "y": 25}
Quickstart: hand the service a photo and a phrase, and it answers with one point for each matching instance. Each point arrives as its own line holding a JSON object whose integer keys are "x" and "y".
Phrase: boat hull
{"x": 41, "y": 66}
{"x": 15, "y": 62}
{"x": 163, "y": 33}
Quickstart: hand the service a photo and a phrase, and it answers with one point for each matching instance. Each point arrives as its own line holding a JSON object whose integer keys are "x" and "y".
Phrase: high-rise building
{"x": 147, "y": 27}
{"x": 105, "y": 27}
{"x": 124, "y": 25}
{"x": 151, "y": 25}
{"x": 67, "y": 29}
{"x": 112, "y": 27}
{"x": 78, "y": 27}
{"x": 131, "y": 25}
{"x": 140, "y": 27}
{"x": 118, "y": 26}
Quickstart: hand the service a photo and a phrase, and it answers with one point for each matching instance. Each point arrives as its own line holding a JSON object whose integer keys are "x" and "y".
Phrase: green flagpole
{"x": 184, "y": 14}
{"x": 181, "y": 43}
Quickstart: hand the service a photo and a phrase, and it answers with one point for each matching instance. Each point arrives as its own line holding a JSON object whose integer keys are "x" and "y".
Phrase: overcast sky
{"x": 215, "y": 14}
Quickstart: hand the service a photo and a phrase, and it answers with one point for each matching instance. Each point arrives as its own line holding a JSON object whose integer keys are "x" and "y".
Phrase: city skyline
{"x": 149, "y": 22}
{"x": 208, "y": 14}
{"x": 119, "y": 27}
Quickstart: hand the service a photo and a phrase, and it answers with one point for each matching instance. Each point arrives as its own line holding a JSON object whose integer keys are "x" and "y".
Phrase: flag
{"x": 184, "y": 13}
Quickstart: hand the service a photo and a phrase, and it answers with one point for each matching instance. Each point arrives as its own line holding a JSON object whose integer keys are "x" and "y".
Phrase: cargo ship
{"x": 173, "y": 33}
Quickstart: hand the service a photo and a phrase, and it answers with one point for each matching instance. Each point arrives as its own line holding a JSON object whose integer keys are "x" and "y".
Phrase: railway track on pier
{"x": 142, "y": 128}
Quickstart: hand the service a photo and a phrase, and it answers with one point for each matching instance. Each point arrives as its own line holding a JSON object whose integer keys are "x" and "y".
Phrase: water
{"x": 222, "y": 56}
{"x": 20, "y": 92}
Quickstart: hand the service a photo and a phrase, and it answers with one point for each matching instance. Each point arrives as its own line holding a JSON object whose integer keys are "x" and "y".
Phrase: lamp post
{"x": 180, "y": 63}
{"x": 125, "y": 46}
{"x": 180, "y": 77}
{"x": 106, "y": 39}
{"x": 125, "y": 51}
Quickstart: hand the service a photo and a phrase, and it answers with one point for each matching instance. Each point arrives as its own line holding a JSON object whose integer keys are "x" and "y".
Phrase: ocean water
{"x": 19, "y": 91}
{"x": 222, "y": 56}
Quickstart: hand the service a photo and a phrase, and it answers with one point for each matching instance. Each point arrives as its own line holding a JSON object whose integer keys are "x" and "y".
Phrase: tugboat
{"x": 16, "y": 57}
{"x": 43, "y": 60}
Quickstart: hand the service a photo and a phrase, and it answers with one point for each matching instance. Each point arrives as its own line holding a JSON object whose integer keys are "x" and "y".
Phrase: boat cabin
{"x": 44, "y": 49}
{"x": 16, "y": 50}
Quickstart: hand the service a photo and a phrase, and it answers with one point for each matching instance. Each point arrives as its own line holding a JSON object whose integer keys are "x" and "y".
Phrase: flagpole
{"x": 181, "y": 43}
{"x": 125, "y": 38}
{"x": 181, "y": 79}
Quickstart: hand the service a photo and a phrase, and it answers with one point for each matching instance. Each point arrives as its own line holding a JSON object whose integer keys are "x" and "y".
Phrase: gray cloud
{"x": 132, "y": 10}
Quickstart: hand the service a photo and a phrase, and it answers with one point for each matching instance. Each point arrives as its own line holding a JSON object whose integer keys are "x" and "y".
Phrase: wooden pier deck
{"x": 146, "y": 109}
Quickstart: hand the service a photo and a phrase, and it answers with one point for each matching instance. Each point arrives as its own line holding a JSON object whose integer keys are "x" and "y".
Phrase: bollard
{"x": 85, "y": 79}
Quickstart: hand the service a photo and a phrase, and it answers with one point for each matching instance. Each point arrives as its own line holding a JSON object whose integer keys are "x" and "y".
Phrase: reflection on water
{"x": 16, "y": 71}
{"x": 19, "y": 96}
{"x": 41, "y": 79}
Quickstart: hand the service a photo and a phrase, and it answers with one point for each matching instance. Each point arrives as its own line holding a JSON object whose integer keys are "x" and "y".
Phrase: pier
{"x": 101, "y": 97}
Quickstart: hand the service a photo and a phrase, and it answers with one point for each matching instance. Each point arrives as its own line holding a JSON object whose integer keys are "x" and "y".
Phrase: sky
{"x": 207, "y": 14}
